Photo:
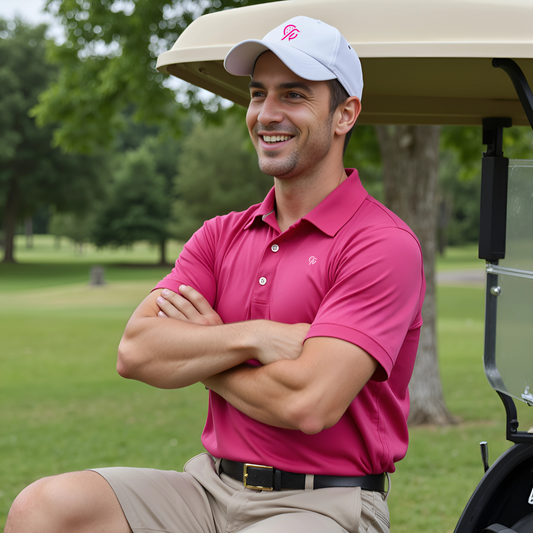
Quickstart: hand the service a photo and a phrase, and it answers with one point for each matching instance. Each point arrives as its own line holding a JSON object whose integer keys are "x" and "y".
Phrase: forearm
{"x": 308, "y": 394}
{"x": 261, "y": 393}
{"x": 191, "y": 346}
{"x": 170, "y": 353}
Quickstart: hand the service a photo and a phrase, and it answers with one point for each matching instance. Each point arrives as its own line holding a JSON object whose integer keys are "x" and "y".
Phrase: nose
{"x": 270, "y": 111}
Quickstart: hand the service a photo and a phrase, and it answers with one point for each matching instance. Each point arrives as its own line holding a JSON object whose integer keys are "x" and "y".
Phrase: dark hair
{"x": 338, "y": 96}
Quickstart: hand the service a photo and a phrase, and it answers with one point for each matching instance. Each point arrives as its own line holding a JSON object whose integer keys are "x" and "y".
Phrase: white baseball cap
{"x": 310, "y": 48}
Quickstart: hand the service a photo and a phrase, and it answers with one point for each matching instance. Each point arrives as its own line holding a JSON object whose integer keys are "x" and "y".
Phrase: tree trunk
{"x": 10, "y": 221}
{"x": 28, "y": 230}
{"x": 162, "y": 252}
{"x": 410, "y": 156}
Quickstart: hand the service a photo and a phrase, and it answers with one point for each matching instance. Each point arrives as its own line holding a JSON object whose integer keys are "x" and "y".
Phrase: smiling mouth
{"x": 275, "y": 138}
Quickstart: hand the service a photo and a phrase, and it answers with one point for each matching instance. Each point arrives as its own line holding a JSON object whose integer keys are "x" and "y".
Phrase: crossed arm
{"x": 173, "y": 340}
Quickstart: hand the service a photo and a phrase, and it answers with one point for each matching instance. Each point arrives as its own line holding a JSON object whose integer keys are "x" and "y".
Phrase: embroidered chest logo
{"x": 290, "y": 32}
{"x": 312, "y": 260}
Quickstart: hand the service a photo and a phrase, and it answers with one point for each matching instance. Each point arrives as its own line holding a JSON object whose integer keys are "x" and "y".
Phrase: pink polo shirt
{"x": 354, "y": 271}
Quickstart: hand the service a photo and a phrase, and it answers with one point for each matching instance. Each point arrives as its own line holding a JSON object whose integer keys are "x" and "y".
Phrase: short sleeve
{"x": 195, "y": 265}
{"x": 377, "y": 295}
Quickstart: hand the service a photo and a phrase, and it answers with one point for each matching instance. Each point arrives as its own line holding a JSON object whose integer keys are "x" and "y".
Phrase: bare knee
{"x": 77, "y": 501}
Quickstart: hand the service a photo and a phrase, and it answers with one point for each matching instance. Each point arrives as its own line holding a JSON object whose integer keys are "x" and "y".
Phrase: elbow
{"x": 311, "y": 425}
{"x": 311, "y": 417}
{"x": 127, "y": 365}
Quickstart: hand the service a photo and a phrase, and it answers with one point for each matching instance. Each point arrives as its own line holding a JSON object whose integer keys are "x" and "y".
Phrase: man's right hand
{"x": 177, "y": 352}
{"x": 188, "y": 306}
{"x": 274, "y": 341}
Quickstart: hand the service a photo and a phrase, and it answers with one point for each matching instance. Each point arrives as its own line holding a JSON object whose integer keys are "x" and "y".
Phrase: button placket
{"x": 262, "y": 279}
{"x": 265, "y": 281}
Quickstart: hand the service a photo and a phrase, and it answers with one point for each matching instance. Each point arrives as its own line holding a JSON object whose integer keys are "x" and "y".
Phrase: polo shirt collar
{"x": 264, "y": 210}
{"x": 330, "y": 215}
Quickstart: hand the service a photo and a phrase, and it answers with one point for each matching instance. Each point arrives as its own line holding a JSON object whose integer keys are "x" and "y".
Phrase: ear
{"x": 347, "y": 114}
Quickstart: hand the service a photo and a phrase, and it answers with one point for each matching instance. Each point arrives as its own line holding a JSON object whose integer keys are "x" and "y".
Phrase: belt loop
{"x": 276, "y": 479}
{"x": 388, "y": 485}
{"x": 309, "y": 482}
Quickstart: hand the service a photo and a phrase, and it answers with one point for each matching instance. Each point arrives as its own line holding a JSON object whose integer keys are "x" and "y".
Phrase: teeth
{"x": 275, "y": 138}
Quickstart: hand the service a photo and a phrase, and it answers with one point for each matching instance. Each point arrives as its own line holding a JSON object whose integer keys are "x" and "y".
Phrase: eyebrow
{"x": 288, "y": 85}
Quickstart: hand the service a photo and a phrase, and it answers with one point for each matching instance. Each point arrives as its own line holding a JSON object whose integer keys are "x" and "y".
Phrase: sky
{"x": 30, "y": 11}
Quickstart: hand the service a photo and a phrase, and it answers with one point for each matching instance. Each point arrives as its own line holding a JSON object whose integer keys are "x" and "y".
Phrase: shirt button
{"x": 274, "y": 247}
{"x": 262, "y": 281}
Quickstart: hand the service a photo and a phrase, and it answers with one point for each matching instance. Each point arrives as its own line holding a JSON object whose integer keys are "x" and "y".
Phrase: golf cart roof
{"x": 424, "y": 61}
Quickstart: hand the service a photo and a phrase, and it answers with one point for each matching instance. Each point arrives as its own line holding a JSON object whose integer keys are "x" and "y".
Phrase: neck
{"x": 295, "y": 197}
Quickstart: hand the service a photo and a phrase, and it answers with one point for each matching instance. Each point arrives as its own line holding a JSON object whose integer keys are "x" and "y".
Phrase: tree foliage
{"x": 108, "y": 63}
{"x": 32, "y": 173}
{"x": 364, "y": 154}
{"x": 461, "y": 151}
{"x": 138, "y": 206}
{"x": 458, "y": 203}
{"x": 218, "y": 173}
{"x": 75, "y": 226}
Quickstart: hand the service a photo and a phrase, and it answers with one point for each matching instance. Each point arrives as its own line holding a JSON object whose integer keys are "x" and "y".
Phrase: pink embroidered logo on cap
{"x": 290, "y": 32}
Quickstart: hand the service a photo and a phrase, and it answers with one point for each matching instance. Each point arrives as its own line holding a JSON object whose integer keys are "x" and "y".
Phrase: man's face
{"x": 288, "y": 119}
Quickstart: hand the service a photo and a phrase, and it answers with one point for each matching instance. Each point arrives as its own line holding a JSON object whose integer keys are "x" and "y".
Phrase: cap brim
{"x": 241, "y": 59}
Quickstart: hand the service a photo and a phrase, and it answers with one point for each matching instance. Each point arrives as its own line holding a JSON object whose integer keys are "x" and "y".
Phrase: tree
{"x": 107, "y": 65}
{"x": 364, "y": 154}
{"x": 218, "y": 173}
{"x": 138, "y": 207}
{"x": 460, "y": 183}
{"x": 75, "y": 226}
{"x": 410, "y": 157}
{"x": 459, "y": 198}
{"x": 33, "y": 174}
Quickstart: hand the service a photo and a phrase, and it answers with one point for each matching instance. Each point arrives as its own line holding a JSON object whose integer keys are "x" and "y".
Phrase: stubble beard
{"x": 313, "y": 152}
{"x": 271, "y": 166}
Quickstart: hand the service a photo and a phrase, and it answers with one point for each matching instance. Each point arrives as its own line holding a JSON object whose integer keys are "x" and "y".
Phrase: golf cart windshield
{"x": 508, "y": 356}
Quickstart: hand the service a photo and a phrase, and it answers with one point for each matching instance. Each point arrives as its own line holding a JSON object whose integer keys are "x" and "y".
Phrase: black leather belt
{"x": 261, "y": 477}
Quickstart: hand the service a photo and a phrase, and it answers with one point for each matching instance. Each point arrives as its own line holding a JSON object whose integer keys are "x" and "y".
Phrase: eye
{"x": 257, "y": 94}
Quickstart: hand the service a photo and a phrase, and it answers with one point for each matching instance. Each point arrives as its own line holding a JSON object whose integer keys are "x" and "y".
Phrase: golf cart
{"x": 463, "y": 62}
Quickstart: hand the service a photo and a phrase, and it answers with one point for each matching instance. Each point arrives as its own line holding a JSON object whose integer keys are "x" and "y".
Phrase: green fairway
{"x": 63, "y": 406}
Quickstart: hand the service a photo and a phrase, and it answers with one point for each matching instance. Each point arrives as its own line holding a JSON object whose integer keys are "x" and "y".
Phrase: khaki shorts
{"x": 201, "y": 501}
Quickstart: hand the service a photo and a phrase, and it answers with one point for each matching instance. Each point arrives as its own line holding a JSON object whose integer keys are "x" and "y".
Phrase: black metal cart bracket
{"x": 494, "y": 178}
{"x": 520, "y": 84}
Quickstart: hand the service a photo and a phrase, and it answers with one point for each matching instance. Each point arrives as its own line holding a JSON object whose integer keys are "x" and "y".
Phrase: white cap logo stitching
{"x": 290, "y": 32}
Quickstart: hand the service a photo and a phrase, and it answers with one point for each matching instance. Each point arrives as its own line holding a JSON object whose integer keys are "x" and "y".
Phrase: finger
{"x": 182, "y": 304}
{"x": 162, "y": 315}
{"x": 168, "y": 307}
{"x": 191, "y": 305}
{"x": 197, "y": 300}
{"x": 178, "y": 306}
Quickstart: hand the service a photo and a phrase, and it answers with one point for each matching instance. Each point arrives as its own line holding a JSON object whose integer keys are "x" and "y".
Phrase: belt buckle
{"x": 245, "y": 476}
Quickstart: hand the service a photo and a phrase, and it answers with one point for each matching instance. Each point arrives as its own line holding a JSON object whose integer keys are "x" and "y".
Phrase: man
{"x": 302, "y": 317}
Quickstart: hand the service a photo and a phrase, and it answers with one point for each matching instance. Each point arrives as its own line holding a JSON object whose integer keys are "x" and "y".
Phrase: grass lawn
{"x": 63, "y": 407}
